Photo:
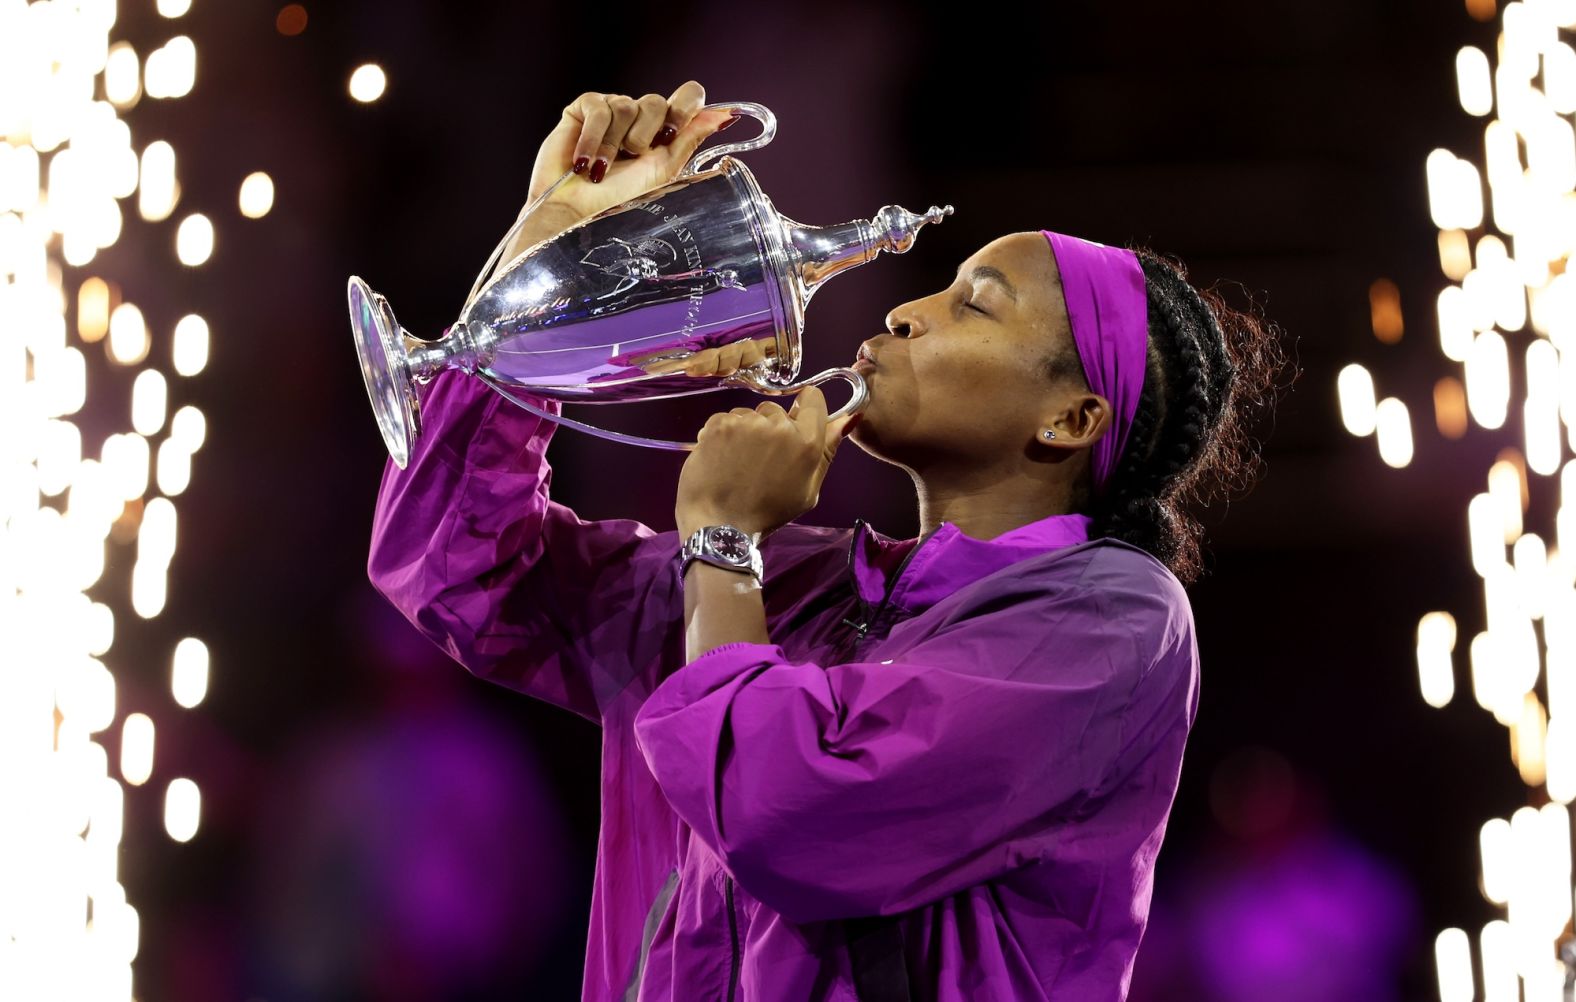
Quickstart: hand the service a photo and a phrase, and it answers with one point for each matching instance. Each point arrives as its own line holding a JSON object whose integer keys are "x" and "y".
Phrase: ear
{"x": 1078, "y": 423}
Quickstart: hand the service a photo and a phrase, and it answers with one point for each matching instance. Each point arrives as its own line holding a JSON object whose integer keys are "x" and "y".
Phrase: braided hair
{"x": 1209, "y": 370}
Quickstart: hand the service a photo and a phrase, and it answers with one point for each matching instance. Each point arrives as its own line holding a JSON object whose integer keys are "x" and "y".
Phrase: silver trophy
{"x": 606, "y": 311}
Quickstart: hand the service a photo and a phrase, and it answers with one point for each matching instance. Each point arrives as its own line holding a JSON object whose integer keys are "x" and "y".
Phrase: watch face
{"x": 730, "y": 544}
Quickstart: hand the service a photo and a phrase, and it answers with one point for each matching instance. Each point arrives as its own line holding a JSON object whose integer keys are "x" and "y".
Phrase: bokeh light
{"x": 368, "y": 83}
{"x": 291, "y": 19}
{"x": 1507, "y": 323}
{"x": 257, "y": 195}
{"x": 194, "y": 240}
{"x": 75, "y": 495}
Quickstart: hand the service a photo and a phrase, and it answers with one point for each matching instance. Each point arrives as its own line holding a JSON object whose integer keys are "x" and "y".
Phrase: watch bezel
{"x": 732, "y": 536}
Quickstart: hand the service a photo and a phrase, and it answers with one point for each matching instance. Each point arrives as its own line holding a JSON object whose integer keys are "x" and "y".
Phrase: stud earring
{"x": 1050, "y": 434}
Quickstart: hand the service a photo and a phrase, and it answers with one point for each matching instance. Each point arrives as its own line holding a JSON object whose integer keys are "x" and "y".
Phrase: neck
{"x": 986, "y": 509}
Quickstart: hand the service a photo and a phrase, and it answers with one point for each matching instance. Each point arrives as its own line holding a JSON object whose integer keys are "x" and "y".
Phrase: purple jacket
{"x": 982, "y": 738}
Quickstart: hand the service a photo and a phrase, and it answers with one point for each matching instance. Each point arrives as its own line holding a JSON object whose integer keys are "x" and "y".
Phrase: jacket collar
{"x": 915, "y": 574}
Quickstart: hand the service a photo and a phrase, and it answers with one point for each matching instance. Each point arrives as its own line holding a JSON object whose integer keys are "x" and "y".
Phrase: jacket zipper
{"x": 863, "y": 628}
{"x": 733, "y": 937}
{"x": 864, "y": 607}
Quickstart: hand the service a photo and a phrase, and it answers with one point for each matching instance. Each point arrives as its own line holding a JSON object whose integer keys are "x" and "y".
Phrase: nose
{"x": 904, "y": 322}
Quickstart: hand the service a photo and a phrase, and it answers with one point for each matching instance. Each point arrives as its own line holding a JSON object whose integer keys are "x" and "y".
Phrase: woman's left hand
{"x": 759, "y": 469}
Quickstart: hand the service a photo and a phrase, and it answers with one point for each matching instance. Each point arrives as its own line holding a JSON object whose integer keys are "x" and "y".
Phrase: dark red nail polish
{"x": 581, "y": 163}
{"x": 729, "y": 123}
{"x": 598, "y": 170}
{"x": 665, "y": 136}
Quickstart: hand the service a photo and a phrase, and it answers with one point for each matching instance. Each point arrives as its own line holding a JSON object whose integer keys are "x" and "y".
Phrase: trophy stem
{"x": 819, "y": 252}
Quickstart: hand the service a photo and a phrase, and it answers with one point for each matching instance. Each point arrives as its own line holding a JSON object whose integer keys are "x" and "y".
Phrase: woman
{"x": 933, "y": 768}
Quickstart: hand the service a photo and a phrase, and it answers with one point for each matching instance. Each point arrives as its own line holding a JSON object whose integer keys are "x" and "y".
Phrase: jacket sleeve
{"x": 468, "y": 545}
{"x": 873, "y": 788}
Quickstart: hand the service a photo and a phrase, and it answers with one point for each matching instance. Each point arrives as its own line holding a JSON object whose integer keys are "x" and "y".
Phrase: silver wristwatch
{"x": 725, "y": 546}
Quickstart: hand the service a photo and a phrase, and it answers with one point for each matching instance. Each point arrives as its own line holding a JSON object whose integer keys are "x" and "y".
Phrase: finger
{"x": 702, "y": 363}
{"x": 772, "y": 410}
{"x": 742, "y": 412}
{"x": 754, "y": 352}
{"x": 591, "y": 111}
{"x": 650, "y": 116}
{"x": 809, "y": 412}
{"x": 729, "y": 358}
{"x": 683, "y": 103}
{"x": 622, "y": 111}
{"x": 701, "y": 126}
{"x": 839, "y": 428}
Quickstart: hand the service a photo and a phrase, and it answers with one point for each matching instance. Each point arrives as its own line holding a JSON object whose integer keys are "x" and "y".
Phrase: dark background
{"x": 379, "y": 825}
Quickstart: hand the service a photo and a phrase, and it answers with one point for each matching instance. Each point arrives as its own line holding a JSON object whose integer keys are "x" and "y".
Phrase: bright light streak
{"x": 1472, "y": 81}
{"x": 149, "y": 402}
{"x": 182, "y": 809}
{"x": 1494, "y": 850}
{"x": 190, "y": 345}
{"x": 173, "y": 8}
{"x": 368, "y": 83}
{"x": 1455, "y": 324}
{"x": 194, "y": 240}
{"x": 1559, "y": 78}
{"x": 1510, "y": 497}
{"x": 1436, "y": 639}
{"x": 158, "y": 190}
{"x": 1455, "y": 192}
{"x": 136, "y": 749}
{"x": 171, "y": 70}
{"x": 1455, "y": 254}
{"x": 128, "y": 335}
{"x": 1395, "y": 432}
{"x": 1530, "y": 559}
{"x": 122, "y": 75}
{"x": 1486, "y": 532}
{"x": 1541, "y": 412}
{"x": 1531, "y": 729}
{"x": 125, "y": 458}
{"x": 257, "y": 195}
{"x": 173, "y": 470}
{"x": 189, "y": 673}
{"x": 1488, "y": 380}
{"x": 1359, "y": 412}
{"x": 93, "y": 310}
{"x": 190, "y": 428}
{"x": 1500, "y": 981}
{"x": 1560, "y": 749}
{"x": 1453, "y": 962}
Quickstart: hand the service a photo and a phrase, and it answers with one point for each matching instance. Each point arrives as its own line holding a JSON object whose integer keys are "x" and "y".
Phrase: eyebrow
{"x": 987, "y": 273}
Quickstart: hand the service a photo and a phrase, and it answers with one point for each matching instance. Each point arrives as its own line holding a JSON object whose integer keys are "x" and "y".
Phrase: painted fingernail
{"x": 729, "y": 123}
{"x": 581, "y": 163}
{"x": 598, "y": 170}
{"x": 664, "y": 136}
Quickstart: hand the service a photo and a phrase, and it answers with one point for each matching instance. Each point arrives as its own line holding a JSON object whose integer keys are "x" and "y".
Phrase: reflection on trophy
{"x": 607, "y": 311}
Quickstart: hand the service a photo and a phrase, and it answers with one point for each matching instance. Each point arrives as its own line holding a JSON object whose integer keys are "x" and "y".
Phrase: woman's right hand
{"x": 658, "y": 134}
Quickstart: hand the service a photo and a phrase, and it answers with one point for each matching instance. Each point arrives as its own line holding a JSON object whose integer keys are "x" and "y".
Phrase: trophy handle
{"x": 744, "y": 377}
{"x": 759, "y": 112}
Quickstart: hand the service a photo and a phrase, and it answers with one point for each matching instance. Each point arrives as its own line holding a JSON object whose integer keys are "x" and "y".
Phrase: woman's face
{"x": 959, "y": 380}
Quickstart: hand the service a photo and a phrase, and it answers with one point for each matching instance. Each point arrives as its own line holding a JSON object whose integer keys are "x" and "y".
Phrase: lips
{"x": 866, "y": 355}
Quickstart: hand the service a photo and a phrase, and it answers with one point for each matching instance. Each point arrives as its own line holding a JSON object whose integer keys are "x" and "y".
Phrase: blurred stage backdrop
{"x": 229, "y": 771}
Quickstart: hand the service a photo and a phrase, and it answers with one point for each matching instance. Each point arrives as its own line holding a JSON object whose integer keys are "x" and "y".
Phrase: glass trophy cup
{"x": 606, "y": 311}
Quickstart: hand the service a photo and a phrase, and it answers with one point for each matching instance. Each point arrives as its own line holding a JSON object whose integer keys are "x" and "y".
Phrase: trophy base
{"x": 380, "y": 347}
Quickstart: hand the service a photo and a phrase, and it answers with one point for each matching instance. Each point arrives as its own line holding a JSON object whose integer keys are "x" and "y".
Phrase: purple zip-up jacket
{"x": 982, "y": 738}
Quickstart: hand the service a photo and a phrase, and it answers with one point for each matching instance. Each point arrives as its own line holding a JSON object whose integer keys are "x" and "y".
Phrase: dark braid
{"x": 1210, "y": 369}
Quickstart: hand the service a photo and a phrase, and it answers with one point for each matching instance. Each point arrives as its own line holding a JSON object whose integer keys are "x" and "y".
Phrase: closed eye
{"x": 976, "y": 309}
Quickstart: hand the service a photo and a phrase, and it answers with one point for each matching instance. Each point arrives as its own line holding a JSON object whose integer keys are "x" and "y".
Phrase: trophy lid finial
{"x": 895, "y": 226}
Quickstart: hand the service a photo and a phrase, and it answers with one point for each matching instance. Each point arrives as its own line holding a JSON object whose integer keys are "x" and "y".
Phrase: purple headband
{"x": 1109, "y": 313}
